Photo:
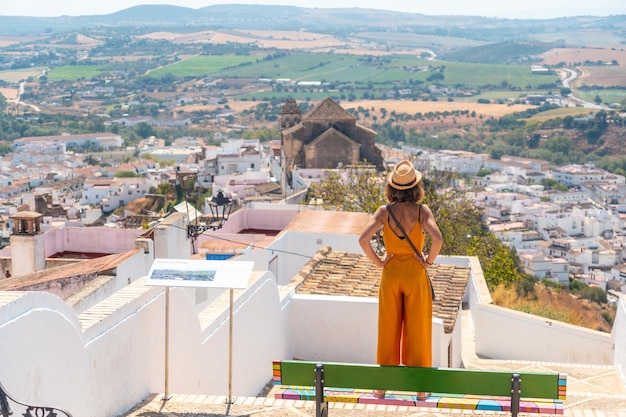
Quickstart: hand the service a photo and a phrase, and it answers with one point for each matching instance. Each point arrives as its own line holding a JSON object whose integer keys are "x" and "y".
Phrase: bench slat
{"x": 398, "y": 378}
{"x": 465, "y": 402}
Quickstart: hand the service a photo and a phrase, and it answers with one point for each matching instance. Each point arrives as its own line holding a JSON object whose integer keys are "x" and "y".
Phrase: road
{"x": 21, "y": 89}
{"x": 568, "y": 76}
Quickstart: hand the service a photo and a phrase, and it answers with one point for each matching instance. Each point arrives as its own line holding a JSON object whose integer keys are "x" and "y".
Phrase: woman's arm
{"x": 436, "y": 240}
{"x": 368, "y": 232}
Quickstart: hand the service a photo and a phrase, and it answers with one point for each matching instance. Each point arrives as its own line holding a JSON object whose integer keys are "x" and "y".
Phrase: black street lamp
{"x": 220, "y": 207}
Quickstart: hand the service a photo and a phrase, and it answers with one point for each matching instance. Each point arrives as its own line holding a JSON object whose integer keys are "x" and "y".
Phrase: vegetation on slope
{"x": 579, "y": 305}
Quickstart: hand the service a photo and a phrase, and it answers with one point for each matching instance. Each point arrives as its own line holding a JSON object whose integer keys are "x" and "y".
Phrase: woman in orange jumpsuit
{"x": 405, "y": 300}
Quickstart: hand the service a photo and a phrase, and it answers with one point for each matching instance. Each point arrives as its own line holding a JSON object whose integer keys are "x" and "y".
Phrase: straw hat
{"x": 404, "y": 176}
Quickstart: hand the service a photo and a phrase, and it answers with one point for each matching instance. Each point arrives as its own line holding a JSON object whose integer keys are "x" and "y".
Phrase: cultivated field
{"x": 561, "y": 112}
{"x": 588, "y": 38}
{"x": 573, "y": 55}
{"x": 361, "y": 44}
{"x": 374, "y": 107}
{"x": 75, "y": 72}
{"x": 399, "y": 106}
{"x": 10, "y": 40}
{"x": 233, "y": 104}
{"x": 264, "y": 39}
{"x": 202, "y": 65}
{"x": 9, "y": 93}
{"x": 602, "y": 75}
{"x": 412, "y": 107}
{"x": 15, "y": 76}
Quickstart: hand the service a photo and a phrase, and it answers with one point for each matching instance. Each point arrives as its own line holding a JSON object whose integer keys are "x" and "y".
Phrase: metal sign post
{"x": 229, "y": 275}
{"x": 167, "y": 343}
{"x": 230, "y": 350}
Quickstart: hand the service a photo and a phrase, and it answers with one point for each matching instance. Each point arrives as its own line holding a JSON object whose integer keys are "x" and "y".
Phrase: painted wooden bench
{"x": 528, "y": 392}
{"x": 11, "y": 407}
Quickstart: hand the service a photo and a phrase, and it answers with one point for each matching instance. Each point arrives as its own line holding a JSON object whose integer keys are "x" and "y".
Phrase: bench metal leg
{"x": 10, "y": 407}
{"x": 516, "y": 382}
{"x": 321, "y": 406}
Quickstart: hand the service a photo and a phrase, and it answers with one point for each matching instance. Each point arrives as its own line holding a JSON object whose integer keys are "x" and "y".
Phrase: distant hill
{"x": 151, "y": 14}
{"x": 336, "y": 21}
{"x": 499, "y": 53}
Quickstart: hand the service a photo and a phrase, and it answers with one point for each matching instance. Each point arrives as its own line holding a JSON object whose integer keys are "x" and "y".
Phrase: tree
{"x": 361, "y": 190}
{"x": 144, "y": 130}
{"x": 436, "y": 77}
{"x": 164, "y": 188}
{"x": 355, "y": 189}
{"x": 126, "y": 174}
{"x": 552, "y": 184}
{"x": 90, "y": 160}
{"x": 568, "y": 122}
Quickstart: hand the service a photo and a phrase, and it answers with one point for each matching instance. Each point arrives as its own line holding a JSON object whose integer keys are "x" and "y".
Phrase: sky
{"x": 538, "y": 9}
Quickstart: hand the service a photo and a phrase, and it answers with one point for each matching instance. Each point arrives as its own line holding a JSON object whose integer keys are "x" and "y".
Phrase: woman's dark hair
{"x": 413, "y": 195}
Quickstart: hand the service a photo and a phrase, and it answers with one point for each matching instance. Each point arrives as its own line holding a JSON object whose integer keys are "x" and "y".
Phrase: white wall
{"x": 90, "y": 240}
{"x": 106, "y": 360}
{"x": 501, "y": 333}
{"x": 296, "y": 248}
{"x": 41, "y": 335}
{"x": 129, "y": 271}
{"x": 275, "y": 218}
{"x": 507, "y": 334}
{"x": 344, "y": 329}
{"x": 170, "y": 238}
{"x": 137, "y": 266}
{"x": 619, "y": 337}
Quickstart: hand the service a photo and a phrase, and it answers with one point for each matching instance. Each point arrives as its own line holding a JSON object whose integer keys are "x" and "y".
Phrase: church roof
{"x": 328, "y": 109}
{"x": 332, "y": 132}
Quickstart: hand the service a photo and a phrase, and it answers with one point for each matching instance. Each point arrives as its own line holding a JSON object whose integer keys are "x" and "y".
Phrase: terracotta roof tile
{"x": 349, "y": 274}
{"x": 90, "y": 267}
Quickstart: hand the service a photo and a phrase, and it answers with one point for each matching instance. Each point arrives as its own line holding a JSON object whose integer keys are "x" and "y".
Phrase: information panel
{"x": 200, "y": 273}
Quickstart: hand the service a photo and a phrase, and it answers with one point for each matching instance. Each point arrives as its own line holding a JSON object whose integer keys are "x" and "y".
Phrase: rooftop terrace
{"x": 592, "y": 391}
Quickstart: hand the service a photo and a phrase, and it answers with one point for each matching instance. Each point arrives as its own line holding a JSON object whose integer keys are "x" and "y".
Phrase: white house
{"x": 106, "y": 140}
{"x": 576, "y": 175}
{"x": 542, "y": 266}
{"x": 247, "y": 159}
{"x": 114, "y": 192}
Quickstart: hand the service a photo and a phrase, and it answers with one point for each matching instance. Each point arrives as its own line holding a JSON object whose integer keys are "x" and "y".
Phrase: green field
{"x": 381, "y": 74}
{"x": 202, "y": 65}
{"x": 562, "y": 112}
{"x": 416, "y": 40}
{"x": 75, "y": 72}
{"x": 607, "y": 96}
{"x": 479, "y": 75}
{"x": 294, "y": 66}
{"x": 335, "y": 68}
{"x": 268, "y": 95}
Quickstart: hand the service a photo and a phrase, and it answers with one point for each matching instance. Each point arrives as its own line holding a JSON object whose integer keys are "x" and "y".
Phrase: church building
{"x": 325, "y": 137}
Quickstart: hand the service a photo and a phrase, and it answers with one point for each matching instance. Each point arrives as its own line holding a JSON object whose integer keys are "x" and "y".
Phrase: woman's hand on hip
{"x": 386, "y": 259}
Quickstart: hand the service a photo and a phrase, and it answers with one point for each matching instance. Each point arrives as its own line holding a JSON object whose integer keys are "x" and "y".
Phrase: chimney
{"x": 27, "y": 243}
